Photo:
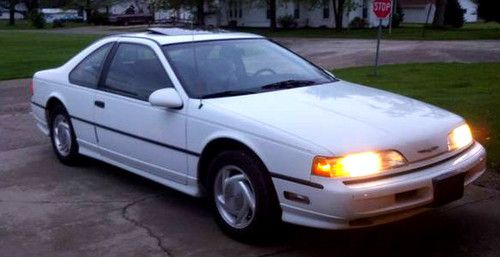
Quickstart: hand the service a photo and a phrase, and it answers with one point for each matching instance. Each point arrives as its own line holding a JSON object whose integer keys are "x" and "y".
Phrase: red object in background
{"x": 31, "y": 87}
{"x": 382, "y": 8}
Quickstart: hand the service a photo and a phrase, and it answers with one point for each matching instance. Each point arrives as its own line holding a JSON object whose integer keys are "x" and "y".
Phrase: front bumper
{"x": 341, "y": 205}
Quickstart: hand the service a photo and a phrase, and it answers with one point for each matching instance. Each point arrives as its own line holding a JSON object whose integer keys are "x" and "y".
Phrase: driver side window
{"x": 135, "y": 71}
{"x": 87, "y": 72}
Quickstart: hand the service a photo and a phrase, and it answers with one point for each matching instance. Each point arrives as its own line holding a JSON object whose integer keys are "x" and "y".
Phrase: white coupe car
{"x": 263, "y": 133}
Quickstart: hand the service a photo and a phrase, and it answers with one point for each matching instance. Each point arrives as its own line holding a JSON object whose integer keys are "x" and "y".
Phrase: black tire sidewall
{"x": 267, "y": 212}
{"x": 73, "y": 157}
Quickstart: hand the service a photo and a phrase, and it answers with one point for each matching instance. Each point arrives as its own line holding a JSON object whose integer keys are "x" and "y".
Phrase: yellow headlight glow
{"x": 460, "y": 137}
{"x": 357, "y": 164}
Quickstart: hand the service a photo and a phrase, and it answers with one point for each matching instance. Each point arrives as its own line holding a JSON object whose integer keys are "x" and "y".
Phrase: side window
{"x": 87, "y": 72}
{"x": 136, "y": 71}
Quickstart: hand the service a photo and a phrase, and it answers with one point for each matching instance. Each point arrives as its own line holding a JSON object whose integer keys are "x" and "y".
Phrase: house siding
{"x": 255, "y": 14}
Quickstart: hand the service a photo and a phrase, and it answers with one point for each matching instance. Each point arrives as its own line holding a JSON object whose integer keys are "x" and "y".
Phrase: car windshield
{"x": 235, "y": 67}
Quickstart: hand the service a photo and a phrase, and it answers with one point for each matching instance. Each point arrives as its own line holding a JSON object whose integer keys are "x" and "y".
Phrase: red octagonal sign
{"x": 382, "y": 8}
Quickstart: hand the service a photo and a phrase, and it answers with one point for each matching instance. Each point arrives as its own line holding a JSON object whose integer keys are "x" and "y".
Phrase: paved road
{"x": 341, "y": 53}
{"x": 47, "y": 209}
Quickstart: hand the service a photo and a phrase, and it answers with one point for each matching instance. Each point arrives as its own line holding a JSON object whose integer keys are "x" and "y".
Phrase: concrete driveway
{"x": 341, "y": 53}
{"x": 48, "y": 209}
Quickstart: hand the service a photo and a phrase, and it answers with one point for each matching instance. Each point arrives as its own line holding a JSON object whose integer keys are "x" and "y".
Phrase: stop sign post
{"x": 382, "y": 9}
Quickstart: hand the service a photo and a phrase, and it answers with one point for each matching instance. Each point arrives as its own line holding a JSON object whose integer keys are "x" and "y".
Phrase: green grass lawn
{"x": 26, "y": 24}
{"x": 23, "y": 53}
{"x": 470, "y": 90}
{"x": 471, "y": 31}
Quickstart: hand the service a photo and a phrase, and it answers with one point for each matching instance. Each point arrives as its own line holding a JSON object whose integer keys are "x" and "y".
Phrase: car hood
{"x": 343, "y": 118}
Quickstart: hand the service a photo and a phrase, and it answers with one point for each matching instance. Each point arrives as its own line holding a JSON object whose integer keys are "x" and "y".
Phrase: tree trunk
{"x": 88, "y": 11}
{"x": 338, "y": 12}
{"x": 272, "y": 14}
{"x": 200, "y": 12}
{"x": 12, "y": 12}
{"x": 439, "y": 13}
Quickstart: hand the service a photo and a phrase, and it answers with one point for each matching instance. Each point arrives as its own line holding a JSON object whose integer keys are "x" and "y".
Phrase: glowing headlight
{"x": 459, "y": 137}
{"x": 356, "y": 165}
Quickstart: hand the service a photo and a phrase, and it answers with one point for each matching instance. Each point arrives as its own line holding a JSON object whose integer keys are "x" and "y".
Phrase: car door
{"x": 80, "y": 95}
{"x": 130, "y": 131}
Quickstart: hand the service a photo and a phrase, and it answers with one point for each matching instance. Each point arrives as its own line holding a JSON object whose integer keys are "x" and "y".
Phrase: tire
{"x": 245, "y": 176}
{"x": 63, "y": 136}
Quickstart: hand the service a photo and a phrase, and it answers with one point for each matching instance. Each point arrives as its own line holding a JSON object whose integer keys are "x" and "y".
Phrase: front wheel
{"x": 243, "y": 197}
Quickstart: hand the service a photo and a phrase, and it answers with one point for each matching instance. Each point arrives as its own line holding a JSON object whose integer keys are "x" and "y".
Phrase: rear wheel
{"x": 242, "y": 196}
{"x": 62, "y": 136}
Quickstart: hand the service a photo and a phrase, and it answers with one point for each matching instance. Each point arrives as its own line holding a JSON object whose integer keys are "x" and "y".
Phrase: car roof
{"x": 165, "y": 36}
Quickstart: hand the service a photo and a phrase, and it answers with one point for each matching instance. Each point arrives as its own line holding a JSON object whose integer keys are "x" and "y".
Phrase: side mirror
{"x": 166, "y": 97}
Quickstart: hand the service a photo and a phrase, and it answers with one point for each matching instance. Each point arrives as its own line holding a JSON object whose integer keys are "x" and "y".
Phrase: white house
{"x": 470, "y": 10}
{"x": 246, "y": 13}
{"x": 254, "y": 14}
{"x": 415, "y": 11}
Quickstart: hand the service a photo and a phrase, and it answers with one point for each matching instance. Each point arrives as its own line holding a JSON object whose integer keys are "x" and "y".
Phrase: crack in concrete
{"x": 148, "y": 230}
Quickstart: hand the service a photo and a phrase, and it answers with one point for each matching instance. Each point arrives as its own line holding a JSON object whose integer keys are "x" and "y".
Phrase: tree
{"x": 489, "y": 10}
{"x": 454, "y": 14}
{"x": 398, "y": 15}
{"x": 350, "y": 6}
{"x": 272, "y": 13}
{"x": 439, "y": 13}
{"x": 11, "y": 6}
{"x": 338, "y": 12}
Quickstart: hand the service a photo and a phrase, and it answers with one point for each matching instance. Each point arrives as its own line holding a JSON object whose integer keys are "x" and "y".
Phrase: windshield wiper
{"x": 292, "y": 83}
{"x": 229, "y": 93}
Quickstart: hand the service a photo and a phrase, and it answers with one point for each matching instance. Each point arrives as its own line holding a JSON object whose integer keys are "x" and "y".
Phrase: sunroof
{"x": 181, "y": 31}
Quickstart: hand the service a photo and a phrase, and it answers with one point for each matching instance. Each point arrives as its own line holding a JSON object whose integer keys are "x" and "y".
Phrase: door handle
{"x": 99, "y": 104}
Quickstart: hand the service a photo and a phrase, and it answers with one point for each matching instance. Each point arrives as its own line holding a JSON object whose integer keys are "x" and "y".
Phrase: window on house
{"x": 326, "y": 9}
{"x": 268, "y": 14}
{"x": 296, "y": 11}
{"x": 365, "y": 9}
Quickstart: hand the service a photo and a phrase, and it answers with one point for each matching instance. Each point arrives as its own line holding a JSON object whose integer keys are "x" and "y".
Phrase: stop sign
{"x": 382, "y": 8}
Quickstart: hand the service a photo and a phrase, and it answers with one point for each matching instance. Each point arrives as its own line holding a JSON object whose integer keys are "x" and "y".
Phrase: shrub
{"x": 398, "y": 16}
{"x": 489, "y": 10}
{"x": 58, "y": 23}
{"x": 37, "y": 19}
{"x": 287, "y": 21}
{"x": 454, "y": 14}
{"x": 358, "y": 23}
{"x": 233, "y": 23}
{"x": 98, "y": 18}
